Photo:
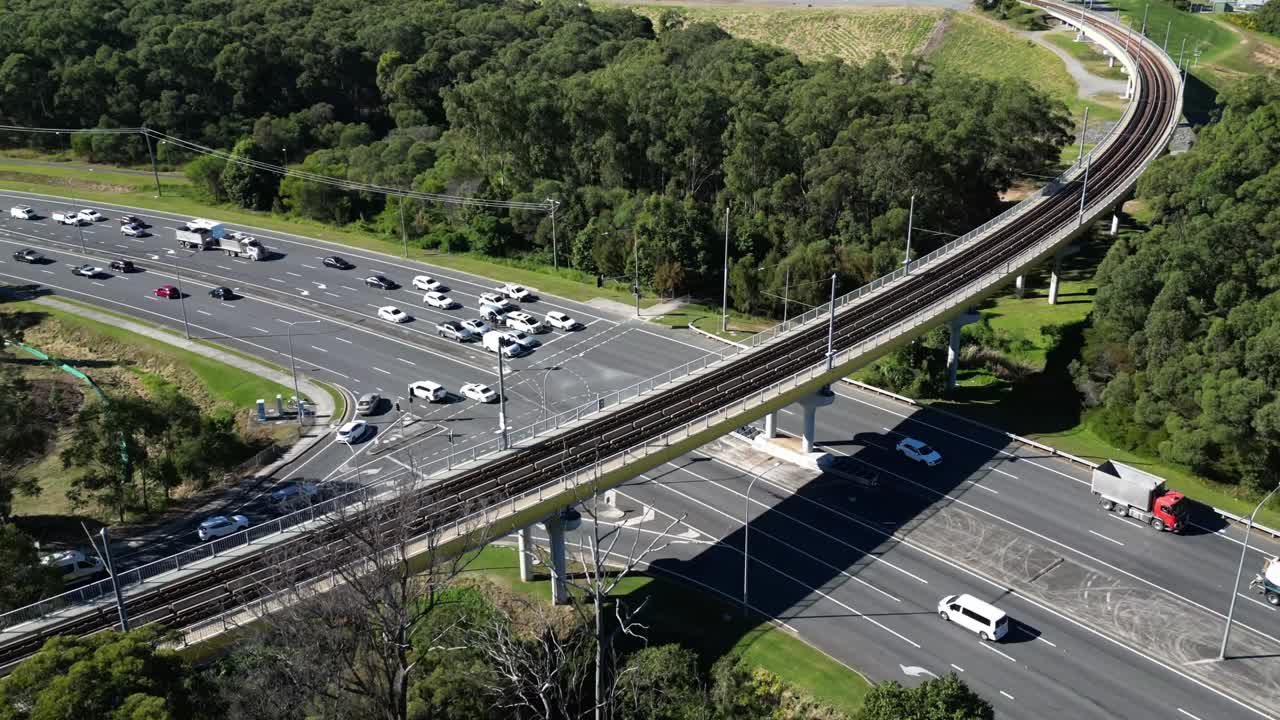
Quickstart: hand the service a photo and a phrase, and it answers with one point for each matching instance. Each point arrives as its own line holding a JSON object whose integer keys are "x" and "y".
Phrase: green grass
{"x": 710, "y": 626}
{"x": 707, "y": 318}
{"x": 978, "y": 46}
{"x": 852, "y": 34}
{"x": 1088, "y": 54}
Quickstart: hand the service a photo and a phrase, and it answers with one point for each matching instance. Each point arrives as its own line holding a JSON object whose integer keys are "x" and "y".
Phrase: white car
{"x": 478, "y": 392}
{"x": 429, "y": 391}
{"x": 438, "y": 300}
{"x": 916, "y": 450}
{"x": 352, "y": 431}
{"x": 22, "y": 212}
{"x": 519, "y": 293}
{"x": 528, "y": 342}
{"x": 131, "y": 230}
{"x": 557, "y": 319}
{"x": 88, "y": 271}
{"x": 74, "y": 565}
{"x": 216, "y": 527}
{"x": 525, "y": 322}
{"x": 90, "y": 215}
{"x": 492, "y": 298}
{"x": 476, "y": 327}
{"x": 393, "y": 314}
{"x": 426, "y": 282}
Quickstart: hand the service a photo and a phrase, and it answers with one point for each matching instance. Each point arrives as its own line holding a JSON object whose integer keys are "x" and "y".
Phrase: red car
{"x": 167, "y": 291}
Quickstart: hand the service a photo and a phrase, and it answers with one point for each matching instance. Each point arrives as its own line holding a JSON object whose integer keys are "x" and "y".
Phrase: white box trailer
{"x": 212, "y": 228}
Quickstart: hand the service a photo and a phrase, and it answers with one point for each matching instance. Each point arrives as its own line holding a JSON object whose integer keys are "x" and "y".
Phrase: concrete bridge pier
{"x": 525, "y": 549}
{"x": 811, "y": 404}
{"x": 771, "y": 425}
{"x": 968, "y": 317}
{"x": 1115, "y": 224}
{"x": 1057, "y": 271}
{"x": 559, "y": 564}
{"x": 1020, "y": 285}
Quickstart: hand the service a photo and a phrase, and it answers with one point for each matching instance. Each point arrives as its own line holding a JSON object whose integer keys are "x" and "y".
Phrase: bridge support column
{"x": 953, "y": 348}
{"x": 559, "y": 565}
{"x": 771, "y": 425}
{"x": 1020, "y": 285}
{"x": 525, "y": 548}
{"x": 1055, "y": 277}
{"x": 811, "y": 404}
{"x": 1115, "y": 224}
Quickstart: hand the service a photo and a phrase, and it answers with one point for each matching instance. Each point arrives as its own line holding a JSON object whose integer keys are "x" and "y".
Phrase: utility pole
{"x": 1180, "y": 52}
{"x": 911, "y": 216}
{"x": 831, "y": 325}
{"x": 635, "y": 285}
{"x": 1167, "y": 30}
{"x": 786, "y": 292}
{"x": 502, "y": 395}
{"x": 115, "y": 582}
{"x": 1084, "y": 189}
{"x": 182, "y": 300}
{"x": 1144, "y": 19}
{"x": 80, "y": 229}
{"x": 724, "y": 301}
{"x": 1084, "y": 128}
{"x": 405, "y": 232}
{"x": 154, "y": 173}
{"x": 555, "y": 253}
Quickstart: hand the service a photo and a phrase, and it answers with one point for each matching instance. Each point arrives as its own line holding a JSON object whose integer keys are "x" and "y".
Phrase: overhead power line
{"x": 340, "y": 183}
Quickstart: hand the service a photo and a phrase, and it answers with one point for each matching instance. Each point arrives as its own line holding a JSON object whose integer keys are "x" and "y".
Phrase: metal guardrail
{"x": 103, "y": 590}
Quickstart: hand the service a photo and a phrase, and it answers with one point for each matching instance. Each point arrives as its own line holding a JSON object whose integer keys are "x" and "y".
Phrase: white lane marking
{"x": 344, "y": 287}
{"x": 224, "y": 267}
{"x": 326, "y": 292}
{"x": 384, "y": 372}
{"x": 1006, "y": 694}
{"x": 407, "y": 362}
{"x": 1046, "y": 642}
{"x": 996, "y": 469}
{"x": 242, "y": 262}
{"x": 869, "y": 554}
{"x": 276, "y": 280}
{"x": 286, "y": 322}
{"x": 264, "y": 332}
{"x": 343, "y": 340}
{"x": 982, "y": 487}
{"x": 316, "y": 347}
{"x": 372, "y": 305}
{"x": 1184, "y": 712}
{"x": 1006, "y": 656}
{"x": 309, "y": 267}
{"x": 47, "y": 272}
{"x": 1104, "y": 537}
{"x": 680, "y": 342}
{"x": 126, "y": 247}
{"x": 1266, "y": 605}
{"x": 289, "y": 272}
{"x": 957, "y": 667}
{"x": 202, "y": 312}
{"x": 95, "y": 282}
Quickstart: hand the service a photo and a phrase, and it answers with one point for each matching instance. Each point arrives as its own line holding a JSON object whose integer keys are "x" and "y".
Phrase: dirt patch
{"x": 1267, "y": 55}
{"x": 63, "y": 182}
{"x": 1019, "y": 192}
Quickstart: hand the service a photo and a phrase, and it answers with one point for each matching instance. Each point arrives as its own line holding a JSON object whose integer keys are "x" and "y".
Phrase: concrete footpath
{"x": 323, "y": 402}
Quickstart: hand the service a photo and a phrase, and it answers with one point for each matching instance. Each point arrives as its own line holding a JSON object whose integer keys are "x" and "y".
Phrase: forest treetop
{"x": 642, "y": 133}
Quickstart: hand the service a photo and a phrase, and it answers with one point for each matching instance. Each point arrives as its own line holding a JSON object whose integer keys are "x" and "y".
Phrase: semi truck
{"x": 1130, "y": 492}
{"x": 241, "y": 245}
{"x": 193, "y": 240}
{"x": 1267, "y": 582}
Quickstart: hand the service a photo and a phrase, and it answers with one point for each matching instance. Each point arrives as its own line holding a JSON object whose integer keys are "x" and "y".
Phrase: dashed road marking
{"x": 1184, "y": 712}
{"x": 1004, "y": 655}
{"x": 276, "y": 280}
{"x": 316, "y": 347}
{"x": 290, "y": 272}
{"x": 202, "y": 312}
{"x": 326, "y": 292}
{"x": 384, "y": 372}
{"x": 343, "y": 340}
{"x": 309, "y": 267}
{"x": 957, "y": 667}
{"x": 264, "y": 332}
{"x": 1104, "y": 537}
{"x": 1006, "y": 694}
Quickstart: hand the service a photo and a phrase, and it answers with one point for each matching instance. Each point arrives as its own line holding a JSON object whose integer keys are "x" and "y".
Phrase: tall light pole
{"x": 635, "y": 252}
{"x": 1235, "y": 589}
{"x": 724, "y": 300}
{"x": 911, "y": 216}
{"x": 182, "y": 300}
{"x": 293, "y": 365}
{"x": 404, "y": 233}
{"x": 80, "y": 229}
{"x": 1167, "y": 30}
{"x": 502, "y": 394}
{"x": 1084, "y": 127}
{"x": 1084, "y": 188}
{"x": 546, "y": 372}
{"x": 746, "y": 533}
{"x": 555, "y": 254}
{"x": 146, "y": 134}
{"x": 1180, "y": 52}
{"x": 831, "y": 324}
{"x": 1144, "y": 20}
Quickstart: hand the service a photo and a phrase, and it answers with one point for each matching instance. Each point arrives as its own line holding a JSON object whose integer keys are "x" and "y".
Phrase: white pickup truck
{"x": 22, "y": 212}
{"x": 68, "y": 218}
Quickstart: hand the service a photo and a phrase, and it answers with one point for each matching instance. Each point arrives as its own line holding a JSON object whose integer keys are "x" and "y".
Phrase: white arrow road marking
{"x": 916, "y": 671}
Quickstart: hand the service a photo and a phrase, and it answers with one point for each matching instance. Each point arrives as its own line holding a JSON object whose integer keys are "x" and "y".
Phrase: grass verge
{"x": 1088, "y": 54}
{"x": 707, "y": 318}
{"x": 711, "y": 627}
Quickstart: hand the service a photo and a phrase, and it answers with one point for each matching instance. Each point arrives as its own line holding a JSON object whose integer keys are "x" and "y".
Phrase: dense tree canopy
{"x": 1184, "y": 352}
{"x": 644, "y": 137}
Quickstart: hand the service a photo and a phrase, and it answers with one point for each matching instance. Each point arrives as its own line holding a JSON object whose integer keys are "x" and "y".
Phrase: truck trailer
{"x": 193, "y": 239}
{"x": 1130, "y": 492}
{"x": 241, "y": 245}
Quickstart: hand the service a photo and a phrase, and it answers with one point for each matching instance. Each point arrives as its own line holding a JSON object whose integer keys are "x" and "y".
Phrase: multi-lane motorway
{"x": 858, "y": 573}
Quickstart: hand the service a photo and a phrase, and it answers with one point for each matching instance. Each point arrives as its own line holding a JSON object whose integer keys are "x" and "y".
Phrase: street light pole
{"x": 911, "y": 216}
{"x": 635, "y": 286}
{"x": 543, "y": 394}
{"x": 1084, "y": 128}
{"x": 1084, "y": 189}
{"x": 724, "y": 300}
{"x": 502, "y": 397}
{"x": 831, "y": 324}
{"x": 746, "y": 534}
{"x": 154, "y": 173}
{"x": 1167, "y": 30}
{"x": 404, "y": 234}
{"x": 293, "y": 365}
{"x": 1235, "y": 589}
{"x": 80, "y": 229}
{"x": 786, "y": 292}
{"x": 182, "y": 300}
{"x": 1144, "y": 20}
{"x": 555, "y": 254}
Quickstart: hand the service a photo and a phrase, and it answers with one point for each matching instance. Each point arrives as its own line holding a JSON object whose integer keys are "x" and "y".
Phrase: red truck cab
{"x": 1171, "y": 509}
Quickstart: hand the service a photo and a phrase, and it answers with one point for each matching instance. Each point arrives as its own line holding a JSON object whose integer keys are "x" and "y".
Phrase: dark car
{"x": 133, "y": 220}
{"x": 124, "y": 266}
{"x": 381, "y": 282}
{"x": 222, "y": 293}
{"x": 28, "y": 256}
{"x": 334, "y": 261}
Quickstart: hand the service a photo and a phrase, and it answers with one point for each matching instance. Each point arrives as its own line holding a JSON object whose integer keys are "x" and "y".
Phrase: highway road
{"x": 823, "y": 557}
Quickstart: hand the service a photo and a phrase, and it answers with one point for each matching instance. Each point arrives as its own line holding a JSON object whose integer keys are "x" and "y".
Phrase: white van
{"x": 74, "y": 565}
{"x": 967, "y": 611}
{"x": 493, "y": 340}
{"x": 427, "y": 390}
{"x": 22, "y": 212}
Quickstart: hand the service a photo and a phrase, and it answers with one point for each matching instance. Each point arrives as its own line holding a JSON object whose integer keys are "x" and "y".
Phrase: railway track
{"x": 233, "y": 584}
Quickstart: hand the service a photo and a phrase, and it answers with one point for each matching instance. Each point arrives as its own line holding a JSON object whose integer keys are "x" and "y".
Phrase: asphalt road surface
{"x": 1111, "y": 618}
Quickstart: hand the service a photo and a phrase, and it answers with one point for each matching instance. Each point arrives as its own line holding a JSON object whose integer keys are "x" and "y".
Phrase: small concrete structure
{"x": 1055, "y": 277}
{"x": 968, "y": 317}
{"x": 811, "y": 403}
{"x": 524, "y": 546}
{"x": 1115, "y": 224}
{"x": 559, "y": 563}
{"x": 1020, "y": 285}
